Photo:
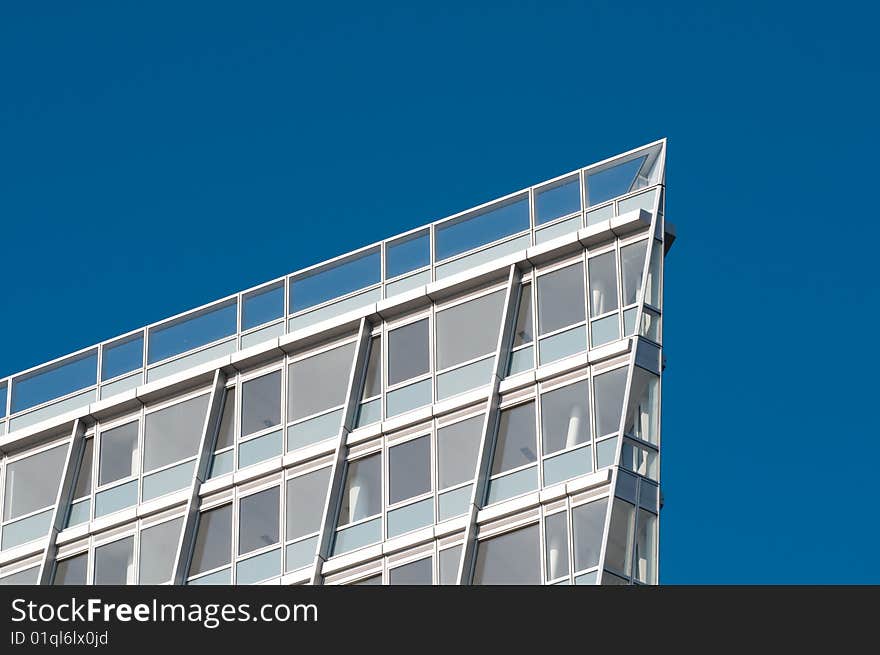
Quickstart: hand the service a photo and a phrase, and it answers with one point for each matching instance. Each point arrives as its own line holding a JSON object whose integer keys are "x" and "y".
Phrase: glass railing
{"x": 325, "y": 291}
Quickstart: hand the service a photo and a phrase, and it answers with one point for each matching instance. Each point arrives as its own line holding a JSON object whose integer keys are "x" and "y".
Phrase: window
{"x": 261, "y": 403}
{"x": 613, "y": 181}
{"x": 262, "y": 306}
{"x": 560, "y": 296}
{"x": 258, "y": 520}
{"x": 362, "y": 495}
{"x": 457, "y": 449}
{"x": 557, "y": 200}
{"x": 226, "y": 434}
{"x": 556, "y": 536}
{"x": 481, "y": 227}
{"x": 609, "y": 390}
{"x": 32, "y": 482}
{"x": 173, "y": 433}
{"x": 565, "y": 417}
{"x": 408, "y": 355}
{"x": 642, "y": 419}
{"x": 511, "y": 558}
{"x": 335, "y": 280}
{"x": 407, "y": 254}
{"x": 319, "y": 382}
{"x": 652, "y": 293}
{"x": 524, "y": 332}
{"x": 158, "y": 548}
{"x": 213, "y": 541}
{"x": 588, "y": 525}
{"x": 632, "y": 263}
{"x": 192, "y": 331}
{"x": 646, "y": 548}
{"x": 119, "y": 453}
{"x": 373, "y": 379}
{"x": 420, "y": 572}
{"x": 516, "y": 444}
{"x": 449, "y": 562}
{"x": 83, "y": 485}
{"x": 72, "y": 571}
{"x": 306, "y": 495}
{"x": 372, "y": 581}
{"x": 123, "y": 356}
{"x": 639, "y": 459}
{"x": 25, "y": 577}
{"x": 603, "y": 284}
{"x": 410, "y": 469}
{"x": 618, "y": 555}
{"x": 114, "y": 563}
{"x": 479, "y": 319}
{"x": 54, "y": 381}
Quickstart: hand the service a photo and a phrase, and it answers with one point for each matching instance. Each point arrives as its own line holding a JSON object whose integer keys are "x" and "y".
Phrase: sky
{"x": 157, "y": 156}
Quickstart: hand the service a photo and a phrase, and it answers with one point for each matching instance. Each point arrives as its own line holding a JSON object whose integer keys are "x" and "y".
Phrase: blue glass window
{"x": 407, "y": 254}
{"x": 122, "y": 357}
{"x": 57, "y": 380}
{"x": 262, "y": 306}
{"x": 192, "y": 331}
{"x": 613, "y": 182}
{"x": 486, "y": 226}
{"x": 338, "y": 280}
{"x": 561, "y": 199}
{"x": 2, "y": 400}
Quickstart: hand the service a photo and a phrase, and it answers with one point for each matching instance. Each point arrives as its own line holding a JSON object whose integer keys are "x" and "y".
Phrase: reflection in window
{"x": 306, "y": 495}
{"x": 643, "y": 417}
{"x": 119, "y": 453}
{"x": 32, "y": 482}
{"x": 420, "y": 572}
{"x": 83, "y": 485}
{"x": 511, "y": 558}
{"x": 409, "y": 469}
{"x": 479, "y": 228}
{"x": 173, "y": 433}
{"x": 258, "y": 520}
{"x": 407, "y": 254}
{"x": 614, "y": 181}
{"x": 632, "y": 263}
{"x": 479, "y": 319}
{"x": 608, "y": 390}
{"x": 319, "y": 383}
{"x": 192, "y": 331}
{"x": 639, "y": 459}
{"x": 335, "y": 280}
{"x": 158, "y": 549}
{"x": 373, "y": 379}
{"x": 618, "y": 555}
{"x": 652, "y": 293}
{"x": 516, "y": 444}
{"x": 603, "y": 284}
{"x": 408, "y": 354}
{"x": 524, "y": 332}
{"x": 557, "y": 200}
{"x": 226, "y": 434}
{"x": 72, "y": 571}
{"x": 457, "y": 447}
{"x": 560, "y": 295}
{"x": 565, "y": 417}
{"x": 646, "y": 548}
{"x": 556, "y": 536}
{"x": 261, "y": 403}
{"x": 362, "y": 495}
{"x": 114, "y": 563}
{"x": 213, "y": 540}
{"x": 589, "y": 524}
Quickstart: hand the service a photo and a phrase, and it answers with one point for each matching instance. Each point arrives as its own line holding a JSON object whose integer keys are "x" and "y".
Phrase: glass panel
{"x": 410, "y": 517}
{"x": 650, "y": 325}
{"x": 556, "y": 535}
{"x": 639, "y": 460}
{"x": 26, "y": 577}
{"x": 300, "y": 554}
{"x": 618, "y": 555}
{"x": 192, "y": 331}
{"x": 2, "y": 400}
{"x": 35, "y": 526}
{"x": 258, "y": 568}
{"x": 261, "y": 403}
{"x": 557, "y": 230}
{"x": 639, "y": 201}
{"x": 606, "y": 451}
{"x": 319, "y": 382}
{"x": 158, "y": 549}
{"x": 629, "y": 321}
{"x": 524, "y": 331}
{"x": 408, "y": 354}
{"x": 652, "y": 291}
{"x": 79, "y": 513}
{"x": 221, "y": 464}
{"x": 409, "y": 469}
{"x": 115, "y": 499}
{"x": 174, "y": 433}
{"x": 565, "y": 417}
{"x": 603, "y": 283}
{"x": 513, "y": 484}
{"x": 646, "y": 548}
{"x": 213, "y": 540}
{"x": 589, "y": 525}
{"x": 373, "y": 379}
{"x": 480, "y": 319}
{"x": 420, "y": 572}
{"x": 122, "y": 357}
{"x": 32, "y": 482}
{"x": 407, "y": 283}
{"x": 602, "y": 214}
{"x": 72, "y": 571}
{"x": 114, "y": 563}
{"x": 632, "y": 263}
{"x": 522, "y": 360}
{"x": 568, "y": 465}
{"x": 168, "y": 480}
{"x": 407, "y": 254}
{"x": 517, "y": 442}
{"x": 120, "y": 385}
{"x": 482, "y": 227}
{"x": 306, "y": 495}
{"x": 454, "y": 503}
{"x": 334, "y": 309}
{"x": 560, "y": 199}
{"x": 258, "y": 520}
{"x": 471, "y": 376}
{"x": 562, "y": 344}
{"x": 260, "y": 449}
{"x": 314, "y": 430}
{"x": 336, "y": 280}
{"x": 369, "y": 413}
{"x": 609, "y": 389}
{"x": 262, "y": 335}
{"x": 52, "y": 410}
{"x": 482, "y": 256}
{"x": 457, "y": 447}
{"x": 84, "y": 475}
{"x": 217, "y": 578}
{"x": 511, "y": 558}
{"x": 357, "y": 536}
{"x": 605, "y": 330}
{"x": 186, "y": 362}
{"x": 372, "y": 581}
{"x": 643, "y": 417}
{"x": 226, "y": 434}
{"x": 262, "y": 306}
{"x": 560, "y": 298}
{"x": 55, "y": 381}
{"x": 449, "y": 562}
{"x": 612, "y": 182}
{"x": 587, "y": 578}
{"x": 362, "y": 496}
{"x": 410, "y": 397}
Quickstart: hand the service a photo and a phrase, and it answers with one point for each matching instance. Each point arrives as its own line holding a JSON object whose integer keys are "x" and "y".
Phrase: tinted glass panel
{"x": 32, "y": 483}
{"x": 618, "y": 555}
{"x": 320, "y": 382}
{"x": 479, "y": 319}
{"x": 407, "y": 254}
{"x": 491, "y": 224}
{"x": 517, "y": 443}
{"x": 556, "y": 535}
{"x": 511, "y": 558}
{"x": 226, "y": 435}
{"x": 262, "y": 306}
{"x": 420, "y": 572}
{"x": 261, "y": 403}
{"x": 449, "y": 561}
{"x": 72, "y": 571}
{"x": 362, "y": 496}
{"x": 258, "y": 520}
{"x": 55, "y": 381}
{"x": 609, "y": 389}
{"x": 410, "y": 465}
{"x": 84, "y": 475}
{"x": 119, "y": 456}
{"x": 213, "y": 541}
{"x": 589, "y": 524}
{"x": 306, "y": 495}
{"x": 560, "y": 298}
{"x": 524, "y": 332}
{"x": 114, "y": 563}
{"x": 373, "y": 380}
{"x": 408, "y": 351}
{"x": 457, "y": 447}
{"x": 565, "y": 417}
{"x": 122, "y": 357}
{"x": 632, "y": 261}
{"x": 174, "y": 433}
{"x": 559, "y": 200}
{"x": 613, "y": 182}
{"x": 603, "y": 284}
{"x": 337, "y": 280}
{"x": 2, "y": 400}
{"x": 157, "y": 552}
{"x": 193, "y": 331}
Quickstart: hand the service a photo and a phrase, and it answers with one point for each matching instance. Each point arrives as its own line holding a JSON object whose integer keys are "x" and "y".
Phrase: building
{"x": 474, "y": 401}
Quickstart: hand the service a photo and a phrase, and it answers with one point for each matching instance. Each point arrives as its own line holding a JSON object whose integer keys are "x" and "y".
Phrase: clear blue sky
{"x": 156, "y": 156}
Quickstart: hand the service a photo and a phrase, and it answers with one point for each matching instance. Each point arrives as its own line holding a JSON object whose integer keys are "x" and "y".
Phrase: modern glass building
{"x": 476, "y": 401}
